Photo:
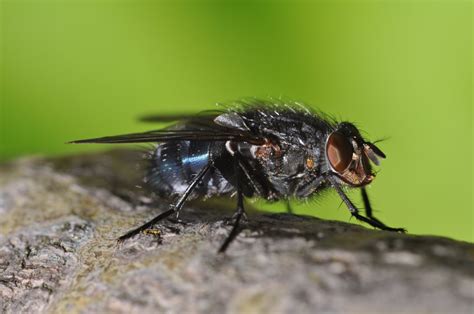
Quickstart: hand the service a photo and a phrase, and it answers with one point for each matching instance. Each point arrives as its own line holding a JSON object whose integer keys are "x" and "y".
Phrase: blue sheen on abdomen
{"x": 176, "y": 163}
{"x": 194, "y": 156}
{"x": 196, "y": 163}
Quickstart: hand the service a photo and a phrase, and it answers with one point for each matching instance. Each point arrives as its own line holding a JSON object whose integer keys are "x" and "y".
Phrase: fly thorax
{"x": 287, "y": 168}
{"x": 294, "y": 163}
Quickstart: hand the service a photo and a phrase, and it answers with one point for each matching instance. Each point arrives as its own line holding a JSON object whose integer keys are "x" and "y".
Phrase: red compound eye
{"x": 339, "y": 151}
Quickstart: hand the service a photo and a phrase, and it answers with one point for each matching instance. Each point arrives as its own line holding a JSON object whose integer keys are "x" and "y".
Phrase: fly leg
{"x": 369, "y": 214}
{"x": 174, "y": 208}
{"x": 355, "y": 212}
{"x": 239, "y": 212}
{"x": 235, "y": 227}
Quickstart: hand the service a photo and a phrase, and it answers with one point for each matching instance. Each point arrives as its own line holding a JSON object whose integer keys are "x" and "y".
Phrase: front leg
{"x": 374, "y": 222}
{"x": 369, "y": 214}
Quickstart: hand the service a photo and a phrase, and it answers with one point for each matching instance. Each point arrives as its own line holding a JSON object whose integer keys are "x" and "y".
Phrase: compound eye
{"x": 339, "y": 151}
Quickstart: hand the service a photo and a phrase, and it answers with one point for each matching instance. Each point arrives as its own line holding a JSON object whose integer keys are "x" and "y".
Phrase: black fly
{"x": 264, "y": 148}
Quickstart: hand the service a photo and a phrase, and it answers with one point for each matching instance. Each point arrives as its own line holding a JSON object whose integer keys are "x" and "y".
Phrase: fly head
{"x": 349, "y": 155}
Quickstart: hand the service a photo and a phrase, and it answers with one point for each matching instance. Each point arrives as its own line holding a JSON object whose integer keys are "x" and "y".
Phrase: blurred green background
{"x": 399, "y": 69}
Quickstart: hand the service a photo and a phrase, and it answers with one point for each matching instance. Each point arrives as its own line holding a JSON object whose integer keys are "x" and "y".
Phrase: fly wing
{"x": 157, "y": 118}
{"x": 173, "y": 135}
{"x": 199, "y": 127}
{"x": 192, "y": 130}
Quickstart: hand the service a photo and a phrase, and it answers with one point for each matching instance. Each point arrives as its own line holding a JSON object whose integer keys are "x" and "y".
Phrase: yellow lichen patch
{"x": 153, "y": 232}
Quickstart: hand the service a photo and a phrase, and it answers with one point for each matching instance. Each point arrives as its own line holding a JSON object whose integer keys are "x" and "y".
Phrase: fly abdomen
{"x": 175, "y": 164}
{"x": 194, "y": 156}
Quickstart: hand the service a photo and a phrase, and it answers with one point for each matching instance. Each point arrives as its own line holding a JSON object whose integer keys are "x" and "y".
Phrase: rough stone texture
{"x": 59, "y": 219}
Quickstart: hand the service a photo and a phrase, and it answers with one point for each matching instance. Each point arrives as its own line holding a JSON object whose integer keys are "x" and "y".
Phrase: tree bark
{"x": 60, "y": 218}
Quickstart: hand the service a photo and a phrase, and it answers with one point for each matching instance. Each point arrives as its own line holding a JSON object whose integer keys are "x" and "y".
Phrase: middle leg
{"x": 235, "y": 227}
{"x": 239, "y": 212}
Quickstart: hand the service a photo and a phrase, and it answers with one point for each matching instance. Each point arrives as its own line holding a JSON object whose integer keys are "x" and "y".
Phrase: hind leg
{"x": 174, "y": 209}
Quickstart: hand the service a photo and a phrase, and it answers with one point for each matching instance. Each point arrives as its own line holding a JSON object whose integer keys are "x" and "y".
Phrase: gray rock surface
{"x": 59, "y": 220}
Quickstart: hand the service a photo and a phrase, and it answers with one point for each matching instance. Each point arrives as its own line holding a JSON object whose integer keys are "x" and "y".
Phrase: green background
{"x": 399, "y": 69}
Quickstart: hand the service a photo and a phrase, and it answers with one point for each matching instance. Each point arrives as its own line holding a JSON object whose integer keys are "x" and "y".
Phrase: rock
{"x": 60, "y": 218}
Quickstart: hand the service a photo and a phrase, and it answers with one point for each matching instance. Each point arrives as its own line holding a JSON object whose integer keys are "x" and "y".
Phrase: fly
{"x": 258, "y": 148}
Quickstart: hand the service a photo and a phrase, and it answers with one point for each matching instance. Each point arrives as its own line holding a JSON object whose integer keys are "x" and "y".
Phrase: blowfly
{"x": 270, "y": 149}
